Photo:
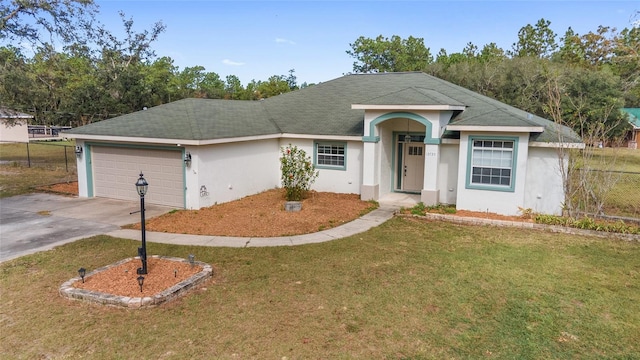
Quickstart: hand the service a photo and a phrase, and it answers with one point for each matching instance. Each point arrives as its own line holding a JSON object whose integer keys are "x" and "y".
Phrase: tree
{"x": 118, "y": 54}
{"x": 572, "y": 50}
{"x": 119, "y": 65}
{"x": 233, "y": 88}
{"x": 626, "y": 64}
{"x": 587, "y": 177}
{"x": 491, "y": 52}
{"x": 292, "y": 80}
{"x": 275, "y": 85}
{"x": 70, "y": 20}
{"x": 211, "y": 87}
{"x": 187, "y": 82}
{"x": 591, "y": 101}
{"x": 159, "y": 79}
{"x": 389, "y": 55}
{"x": 598, "y": 46}
{"x": 16, "y": 82}
{"x": 538, "y": 41}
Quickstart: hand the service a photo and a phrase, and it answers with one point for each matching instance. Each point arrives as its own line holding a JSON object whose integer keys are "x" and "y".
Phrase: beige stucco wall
{"x": 13, "y": 131}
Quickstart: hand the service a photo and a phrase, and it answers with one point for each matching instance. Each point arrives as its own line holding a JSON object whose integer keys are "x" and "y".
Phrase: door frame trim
{"x": 394, "y": 160}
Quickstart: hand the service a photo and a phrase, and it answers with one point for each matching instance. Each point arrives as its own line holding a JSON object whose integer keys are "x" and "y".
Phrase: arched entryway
{"x": 396, "y": 155}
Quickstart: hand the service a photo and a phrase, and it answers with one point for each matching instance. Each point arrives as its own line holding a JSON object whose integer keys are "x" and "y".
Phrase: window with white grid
{"x": 492, "y": 163}
{"x": 331, "y": 155}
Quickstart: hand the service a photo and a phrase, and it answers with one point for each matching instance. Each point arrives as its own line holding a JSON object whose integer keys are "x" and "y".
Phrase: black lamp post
{"x": 140, "y": 281}
{"x": 141, "y": 187}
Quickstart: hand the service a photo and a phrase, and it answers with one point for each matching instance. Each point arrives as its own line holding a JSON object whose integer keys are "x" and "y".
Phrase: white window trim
{"x": 329, "y": 143}
{"x": 493, "y": 187}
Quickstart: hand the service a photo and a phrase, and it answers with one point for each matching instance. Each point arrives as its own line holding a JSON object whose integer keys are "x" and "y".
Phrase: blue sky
{"x": 257, "y": 39}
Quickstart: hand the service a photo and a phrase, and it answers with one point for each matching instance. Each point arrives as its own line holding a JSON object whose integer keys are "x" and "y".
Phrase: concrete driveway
{"x": 37, "y": 222}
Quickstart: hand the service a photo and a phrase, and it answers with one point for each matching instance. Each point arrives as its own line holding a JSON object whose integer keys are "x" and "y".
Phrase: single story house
{"x": 369, "y": 134}
{"x": 633, "y": 116}
{"x": 14, "y": 126}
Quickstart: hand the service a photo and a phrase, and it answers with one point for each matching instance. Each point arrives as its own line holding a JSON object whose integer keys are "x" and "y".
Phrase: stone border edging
{"x": 67, "y": 290}
{"x": 525, "y": 225}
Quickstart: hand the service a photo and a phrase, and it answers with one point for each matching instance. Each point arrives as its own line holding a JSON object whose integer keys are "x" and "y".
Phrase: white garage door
{"x": 116, "y": 170}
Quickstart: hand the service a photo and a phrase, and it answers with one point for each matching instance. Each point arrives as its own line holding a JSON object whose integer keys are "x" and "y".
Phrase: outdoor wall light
{"x": 78, "y": 150}
{"x": 82, "y": 272}
{"x": 140, "y": 281}
{"x": 187, "y": 158}
{"x": 407, "y": 137}
{"x": 192, "y": 259}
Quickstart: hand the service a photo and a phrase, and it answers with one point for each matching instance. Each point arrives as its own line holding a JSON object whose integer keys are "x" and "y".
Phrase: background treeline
{"x": 584, "y": 79}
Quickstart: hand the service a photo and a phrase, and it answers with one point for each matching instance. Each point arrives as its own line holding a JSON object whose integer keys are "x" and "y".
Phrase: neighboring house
{"x": 633, "y": 116}
{"x": 370, "y": 134}
{"x": 13, "y": 126}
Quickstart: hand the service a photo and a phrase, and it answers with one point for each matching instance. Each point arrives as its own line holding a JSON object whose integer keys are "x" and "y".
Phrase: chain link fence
{"x": 623, "y": 200}
{"x": 58, "y": 155}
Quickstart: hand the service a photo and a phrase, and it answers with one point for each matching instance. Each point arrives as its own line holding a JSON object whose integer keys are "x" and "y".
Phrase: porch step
{"x": 400, "y": 199}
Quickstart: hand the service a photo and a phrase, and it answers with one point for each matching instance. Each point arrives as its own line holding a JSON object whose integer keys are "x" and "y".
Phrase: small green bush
{"x": 587, "y": 223}
{"x": 419, "y": 209}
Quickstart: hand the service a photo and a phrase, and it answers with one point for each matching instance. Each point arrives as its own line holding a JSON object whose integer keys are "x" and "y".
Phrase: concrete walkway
{"x": 362, "y": 224}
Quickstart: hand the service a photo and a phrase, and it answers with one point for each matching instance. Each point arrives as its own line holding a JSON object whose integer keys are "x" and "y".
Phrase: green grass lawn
{"x": 404, "y": 290}
{"x": 624, "y": 164}
{"x": 616, "y": 159}
{"x": 48, "y": 166}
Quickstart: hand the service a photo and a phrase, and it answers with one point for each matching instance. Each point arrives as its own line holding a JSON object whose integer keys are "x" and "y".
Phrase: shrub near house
{"x": 298, "y": 172}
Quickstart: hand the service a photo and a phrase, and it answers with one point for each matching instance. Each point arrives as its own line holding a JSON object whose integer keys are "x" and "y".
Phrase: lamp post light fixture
{"x": 192, "y": 259}
{"x": 82, "y": 272}
{"x": 141, "y": 188}
{"x": 140, "y": 281}
{"x": 78, "y": 150}
{"x": 187, "y": 159}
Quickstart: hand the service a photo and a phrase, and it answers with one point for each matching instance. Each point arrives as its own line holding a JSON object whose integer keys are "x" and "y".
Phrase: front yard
{"x": 409, "y": 289}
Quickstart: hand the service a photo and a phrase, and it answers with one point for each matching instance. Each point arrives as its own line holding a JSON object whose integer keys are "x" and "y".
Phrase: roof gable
{"x": 413, "y": 96}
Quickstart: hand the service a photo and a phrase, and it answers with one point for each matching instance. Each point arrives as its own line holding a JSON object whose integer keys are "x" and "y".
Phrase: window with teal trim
{"x": 492, "y": 163}
{"x": 331, "y": 155}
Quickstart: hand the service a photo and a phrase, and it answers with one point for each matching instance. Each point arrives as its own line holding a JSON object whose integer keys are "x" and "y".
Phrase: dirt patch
{"x": 473, "y": 214}
{"x": 263, "y": 215}
{"x": 66, "y": 188}
{"x": 122, "y": 279}
{"x": 492, "y": 216}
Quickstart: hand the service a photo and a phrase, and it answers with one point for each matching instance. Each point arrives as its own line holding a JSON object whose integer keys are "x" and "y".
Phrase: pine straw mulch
{"x": 122, "y": 280}
{"x": 263, "y": 215}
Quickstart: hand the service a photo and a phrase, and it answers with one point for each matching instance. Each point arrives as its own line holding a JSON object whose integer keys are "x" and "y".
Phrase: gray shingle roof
{"x": 323, "y": 109}
{"x": 6, "y": 113}
{"x": 188, "y": 119}
{"x": 413, "y": 96}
